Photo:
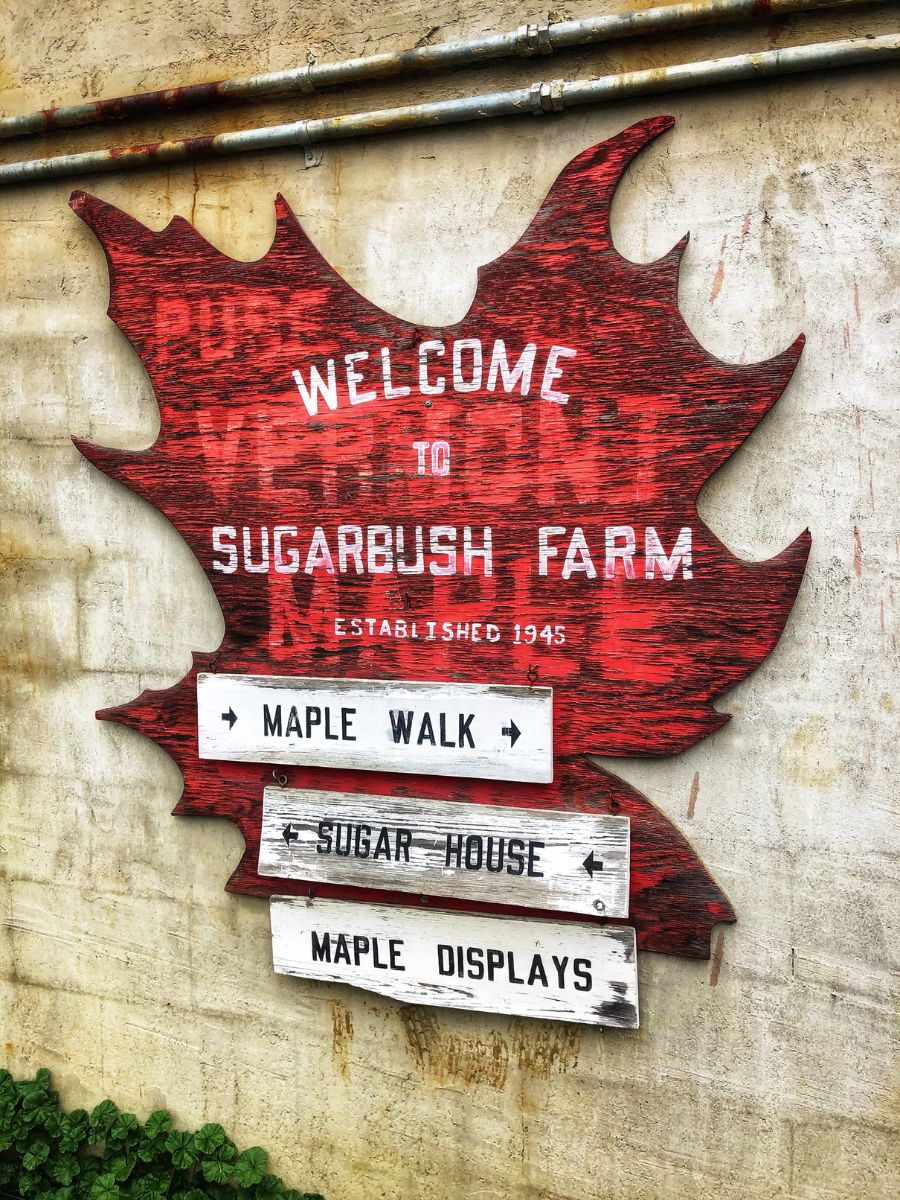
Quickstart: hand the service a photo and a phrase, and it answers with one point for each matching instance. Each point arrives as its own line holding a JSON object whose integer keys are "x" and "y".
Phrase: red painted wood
{"x": 650, "y": 415}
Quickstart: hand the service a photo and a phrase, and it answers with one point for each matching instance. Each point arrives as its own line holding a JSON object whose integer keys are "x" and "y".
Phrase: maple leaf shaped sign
{"x": 508, "y": 500}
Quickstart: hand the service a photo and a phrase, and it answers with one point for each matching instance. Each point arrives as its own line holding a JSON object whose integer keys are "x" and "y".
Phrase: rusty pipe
{"x": 541, "y": 37}
{"x": 535, "y": 100}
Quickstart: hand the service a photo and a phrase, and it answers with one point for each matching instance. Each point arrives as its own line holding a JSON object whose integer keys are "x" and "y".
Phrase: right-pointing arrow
{"x": 230, "y": 717}
{"x": 513, "y": 732}
{"x": 591, "y": 864}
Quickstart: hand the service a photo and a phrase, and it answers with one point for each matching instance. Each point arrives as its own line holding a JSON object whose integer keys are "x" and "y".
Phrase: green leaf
{"x": 35, "y": 1155}
{"x": 153, "y": 1186}
{"x": 158, "y": 1122}
{"x": 104, "y": 1187}
{"x": 91, "y": 1167}
{"x": 45, "y": 1113}
{"x": 103, "y": 1115}
{"x": 270, "y": 1187}
{"x": 121, "y": 1165}
{"x": 216, "y": 1171}
{"x": 65, "y": 1169}
{"x": 124, "y": 1124}
{"x": 56, "y": 1124}
{"x": 250, "y": 1166}
{"x": 181, "y": 1147}
{"x": 209, "y": 1138}
{"x": 74, "y": 1131}
{"x": 147, "y": 1149}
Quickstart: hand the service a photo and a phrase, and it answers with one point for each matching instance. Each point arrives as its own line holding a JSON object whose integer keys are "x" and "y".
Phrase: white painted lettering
{"x": 425, "y": 387}
{"x": 552, "y": 372}
{"x": 221, "y": 546}
{"x": 318, "y": 388}
{"x": 470, "y": 553}
{"x": 319, "y": 555}
{"x": 348, "y": 549}
{"x": 379, "y": 551}
{"x": 520, "y": 373}
{"x": 614, "y": 552}
{"x": 460, "y": 384}
{"x": 354, "y": 377}
{"x": 390, "y": 392}
{"x": 655, "y": 556}
{"x": 439, "y": 535}
{"x": 262, "y": 566}
{"x": 545, "y": 550}
{"x": 284, "y": 565}
{"x": 578, "y": 556}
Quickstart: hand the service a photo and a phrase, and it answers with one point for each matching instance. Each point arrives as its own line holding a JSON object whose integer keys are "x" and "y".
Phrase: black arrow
{"x": 513, "y": 732}
{"x": 230, "y": 717}
{"x": 591, "y": 865}
{"x": 289, "y": 834}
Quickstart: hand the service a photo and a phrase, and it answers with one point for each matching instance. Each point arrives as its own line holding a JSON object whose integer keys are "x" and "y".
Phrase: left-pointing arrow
{"x": 290, "y": 834}
{"x": 230, "y": 717}
{"x": 592, "y": 864}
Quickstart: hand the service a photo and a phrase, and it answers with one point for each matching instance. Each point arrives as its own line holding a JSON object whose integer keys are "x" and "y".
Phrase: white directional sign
{"x": 567, "y": 972}
{"x": 469, "y": 729}
{"x": 570, "y": 862}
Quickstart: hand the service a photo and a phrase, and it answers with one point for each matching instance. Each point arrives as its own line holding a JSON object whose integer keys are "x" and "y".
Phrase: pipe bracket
{"x": 533, "y": 39}
{"x": 547, "y": 97}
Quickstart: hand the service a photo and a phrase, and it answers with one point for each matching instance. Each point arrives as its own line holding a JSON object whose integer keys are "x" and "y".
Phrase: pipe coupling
{"x": 305, "y": 80}
{"x": 533, "y": 39}
{"x": 547, "y": 97}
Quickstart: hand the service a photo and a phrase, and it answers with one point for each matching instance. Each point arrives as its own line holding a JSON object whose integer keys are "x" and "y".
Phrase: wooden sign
{"x": 585, "y": 973}
{"x": 481, "y": 730}
{"x": 508, "y": 501}
{"x": 571, "y": 862}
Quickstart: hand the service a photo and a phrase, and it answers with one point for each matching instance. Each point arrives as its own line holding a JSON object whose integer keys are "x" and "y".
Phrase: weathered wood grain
{"x": 481, "y": 731}
{"x": 425, "y": 511}
{"x": 570, "y": 862}
{"x": 493, "y": 964}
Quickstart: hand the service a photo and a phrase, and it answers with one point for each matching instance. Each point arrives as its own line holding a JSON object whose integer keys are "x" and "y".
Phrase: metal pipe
{"x": 535, "y": 100}
{"x": 542, "y": 37}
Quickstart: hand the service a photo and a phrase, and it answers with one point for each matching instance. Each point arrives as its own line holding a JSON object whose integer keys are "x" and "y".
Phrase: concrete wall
{"x": 771, "y": 1071}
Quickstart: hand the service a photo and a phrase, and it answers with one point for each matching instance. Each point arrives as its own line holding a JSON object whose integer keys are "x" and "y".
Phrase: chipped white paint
{"x": 558, "y": 970}
{"x": 535, "y": 858}
{"x": 476, "y": 730}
